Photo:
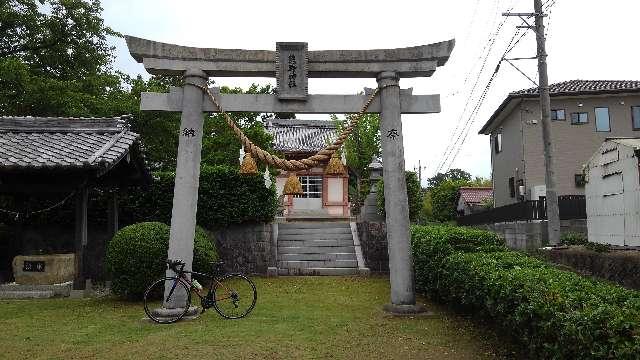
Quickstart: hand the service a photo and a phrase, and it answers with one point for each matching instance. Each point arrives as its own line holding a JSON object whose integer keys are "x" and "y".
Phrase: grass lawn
{"x": 295, "y": 317}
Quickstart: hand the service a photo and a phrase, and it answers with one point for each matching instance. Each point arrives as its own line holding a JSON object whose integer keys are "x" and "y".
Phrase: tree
{"x": 414, "y": 196}
{"x": 444, "y": 199}
{"x": 55, "y": 60}
{"x": 360, "y": 148}
{"x": 451, "y": 174}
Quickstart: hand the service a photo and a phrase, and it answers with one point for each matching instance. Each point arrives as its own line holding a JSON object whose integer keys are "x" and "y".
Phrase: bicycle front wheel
{"x": 169, "y": 307}
{"x": 234, "y": 296}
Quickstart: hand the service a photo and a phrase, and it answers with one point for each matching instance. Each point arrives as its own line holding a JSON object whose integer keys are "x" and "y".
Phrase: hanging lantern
{"x": 292, "y": 186}
{"x": 335, "y": 166}
{"x": 248, "y": 165}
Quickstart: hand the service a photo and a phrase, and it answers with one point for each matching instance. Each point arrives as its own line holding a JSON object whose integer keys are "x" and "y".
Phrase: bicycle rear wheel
{"x": 234, "y": 296}
{"x": 154, "y": 300}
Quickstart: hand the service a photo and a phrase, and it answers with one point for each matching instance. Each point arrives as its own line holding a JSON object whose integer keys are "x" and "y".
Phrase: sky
{"x": 586, "y": 39}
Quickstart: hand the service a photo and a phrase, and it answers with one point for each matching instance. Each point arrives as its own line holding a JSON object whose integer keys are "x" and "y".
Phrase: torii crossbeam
{"x": 292, "y": 64}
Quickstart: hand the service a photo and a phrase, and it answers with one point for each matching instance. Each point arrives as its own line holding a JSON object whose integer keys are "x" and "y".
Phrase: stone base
{"x": 406, "y": 310}
{"x": 192, "y": 313}
{"x": 364, "y": 272}
{"x": 272, "y": 271}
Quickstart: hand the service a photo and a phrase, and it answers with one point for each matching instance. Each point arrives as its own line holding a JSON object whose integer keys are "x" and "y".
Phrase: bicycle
{"x": 232, "y": 295}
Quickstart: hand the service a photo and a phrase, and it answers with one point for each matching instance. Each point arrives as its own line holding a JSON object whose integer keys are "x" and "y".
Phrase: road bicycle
{"x": 233, "y": 296}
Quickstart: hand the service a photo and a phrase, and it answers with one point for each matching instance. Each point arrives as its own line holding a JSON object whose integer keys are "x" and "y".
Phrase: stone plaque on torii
{"x": 292, "y": 64}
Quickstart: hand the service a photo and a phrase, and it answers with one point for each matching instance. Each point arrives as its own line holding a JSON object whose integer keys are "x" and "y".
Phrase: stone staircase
{"x": 316, "y": 248}
{"x": 15, "y": 291}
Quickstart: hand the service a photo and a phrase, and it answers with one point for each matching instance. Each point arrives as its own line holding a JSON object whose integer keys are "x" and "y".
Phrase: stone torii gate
{"x": 292, "y": 64}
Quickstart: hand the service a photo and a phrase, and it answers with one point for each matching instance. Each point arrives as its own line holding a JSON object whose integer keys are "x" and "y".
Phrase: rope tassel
{"x": 248, "y": 166}
{"x": 292, "y": 186}
{"x": 335, "y": 166}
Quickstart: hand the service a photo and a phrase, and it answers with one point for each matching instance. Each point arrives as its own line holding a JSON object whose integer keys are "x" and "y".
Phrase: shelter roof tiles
{"x": 60, "y": 142}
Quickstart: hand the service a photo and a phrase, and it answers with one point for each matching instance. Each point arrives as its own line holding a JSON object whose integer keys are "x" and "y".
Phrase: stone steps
{"x": 32, "y": 294}
{"x": 304, "y": 264}
{"x": 316, "y": 248}
{"x": 314, "y": 243}
{"x": 311, "y": 232}
{"x": 326, "y": 256}
{"x": 319, "y": 236}
{"x": 18, "y": 291}
{"x": 318, "y": 271}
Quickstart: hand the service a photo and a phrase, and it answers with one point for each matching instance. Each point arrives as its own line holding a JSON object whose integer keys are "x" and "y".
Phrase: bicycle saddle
{"x": 173, "y": 264}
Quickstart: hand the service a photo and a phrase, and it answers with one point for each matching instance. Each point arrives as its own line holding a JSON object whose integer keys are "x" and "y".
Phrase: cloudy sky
{"x": 587, "y": 39}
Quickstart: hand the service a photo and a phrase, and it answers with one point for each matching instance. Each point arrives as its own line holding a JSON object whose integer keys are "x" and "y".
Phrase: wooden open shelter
{"x": 59, "y": 155}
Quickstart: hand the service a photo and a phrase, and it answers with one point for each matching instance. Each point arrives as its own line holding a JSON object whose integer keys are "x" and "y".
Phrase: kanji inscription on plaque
{"x": 291, "y": 70}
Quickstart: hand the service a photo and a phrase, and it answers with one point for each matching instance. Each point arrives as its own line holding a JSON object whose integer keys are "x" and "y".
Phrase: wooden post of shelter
{"x": 292, "y": 64}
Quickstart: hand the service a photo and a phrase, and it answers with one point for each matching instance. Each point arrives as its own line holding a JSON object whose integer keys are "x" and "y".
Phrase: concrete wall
{"x": 373, "y": 241}
{"x": 573, "y": 144}
{"x": 247, "y": 248}
{"x": 531, "y": 235}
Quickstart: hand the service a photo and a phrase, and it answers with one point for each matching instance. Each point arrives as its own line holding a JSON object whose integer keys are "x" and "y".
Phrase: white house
{"x": 323, "y": 195}
{"x": 613, "y": 193}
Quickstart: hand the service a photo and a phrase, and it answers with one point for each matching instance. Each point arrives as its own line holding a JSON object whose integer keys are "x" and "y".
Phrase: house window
{"x": 512, "y": 187}
{"x": 635, "y": 117}
{"x": 579, "y": 118}
{"x": 311, "y": 187}
{"x": 497, "y": 142}
{"x": 580, "y": 180}
{"x": 558, "y": 114}
{"x": 602, "y": 119}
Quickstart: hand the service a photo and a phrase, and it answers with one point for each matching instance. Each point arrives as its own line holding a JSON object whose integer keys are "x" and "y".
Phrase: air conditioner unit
{"x": 522, "y": 190}
{"x": 537, "y": 191}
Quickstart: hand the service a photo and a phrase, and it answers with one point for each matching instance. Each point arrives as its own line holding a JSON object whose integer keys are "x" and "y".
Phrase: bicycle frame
{"x": 181, "y": 276}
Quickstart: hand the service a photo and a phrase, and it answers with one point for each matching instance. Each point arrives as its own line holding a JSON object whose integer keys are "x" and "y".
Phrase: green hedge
{"x": 225, "y": 197}
{"x": 137, "y": 253}
{"x": 554, "y": 313}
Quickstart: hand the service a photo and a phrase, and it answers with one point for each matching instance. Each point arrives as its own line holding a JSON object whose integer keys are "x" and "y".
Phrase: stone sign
{"x": 292, "y": 70}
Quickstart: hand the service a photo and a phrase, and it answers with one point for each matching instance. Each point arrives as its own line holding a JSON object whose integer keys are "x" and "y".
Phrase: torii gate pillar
{"x": 185, "y": 192}
{"x": 403, "y": 298}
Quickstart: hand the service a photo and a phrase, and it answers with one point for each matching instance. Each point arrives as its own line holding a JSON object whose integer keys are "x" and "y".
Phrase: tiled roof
{"x": 584, "y": 87}
{"x": 301, "y": 135}
{"x": 475, "y": 195}
{"x": 565, "y": 88}
{"x": 41, "y": 143}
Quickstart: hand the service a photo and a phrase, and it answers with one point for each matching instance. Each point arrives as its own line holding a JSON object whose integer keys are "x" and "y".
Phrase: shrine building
{"x": 323, "y": 195}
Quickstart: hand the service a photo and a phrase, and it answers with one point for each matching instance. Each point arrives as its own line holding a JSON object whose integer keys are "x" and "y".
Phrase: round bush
{"x": 137, "y": 254}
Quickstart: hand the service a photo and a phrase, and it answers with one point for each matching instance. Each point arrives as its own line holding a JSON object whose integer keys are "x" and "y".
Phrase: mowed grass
{"x": 295, "y": 318}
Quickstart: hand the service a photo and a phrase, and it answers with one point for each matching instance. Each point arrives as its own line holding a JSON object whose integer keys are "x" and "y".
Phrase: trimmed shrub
{"x": 554, "y": 313}
{"x": 225, "y": 197}
{"x": 137, "y": 253}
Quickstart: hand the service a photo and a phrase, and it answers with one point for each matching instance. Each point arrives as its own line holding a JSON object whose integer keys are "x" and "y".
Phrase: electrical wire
{"x": 513, "y": 42}
{"x": 489, "y": 48}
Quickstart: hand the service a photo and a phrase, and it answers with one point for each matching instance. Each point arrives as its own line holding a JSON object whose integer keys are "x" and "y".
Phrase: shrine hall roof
{"x": 301, "y": 135}
{"x": 31, "y": 143}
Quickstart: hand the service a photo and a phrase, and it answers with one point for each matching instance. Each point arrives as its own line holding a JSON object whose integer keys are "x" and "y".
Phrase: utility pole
{"x": 553, "y": 215}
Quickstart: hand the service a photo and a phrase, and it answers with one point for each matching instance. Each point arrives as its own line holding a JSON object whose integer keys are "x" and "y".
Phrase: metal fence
{"x": 569, "y": 206}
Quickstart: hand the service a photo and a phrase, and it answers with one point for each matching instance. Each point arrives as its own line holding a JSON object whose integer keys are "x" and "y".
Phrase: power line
{"x": 447, "y": 157}
{"x": 489, "y": 48}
